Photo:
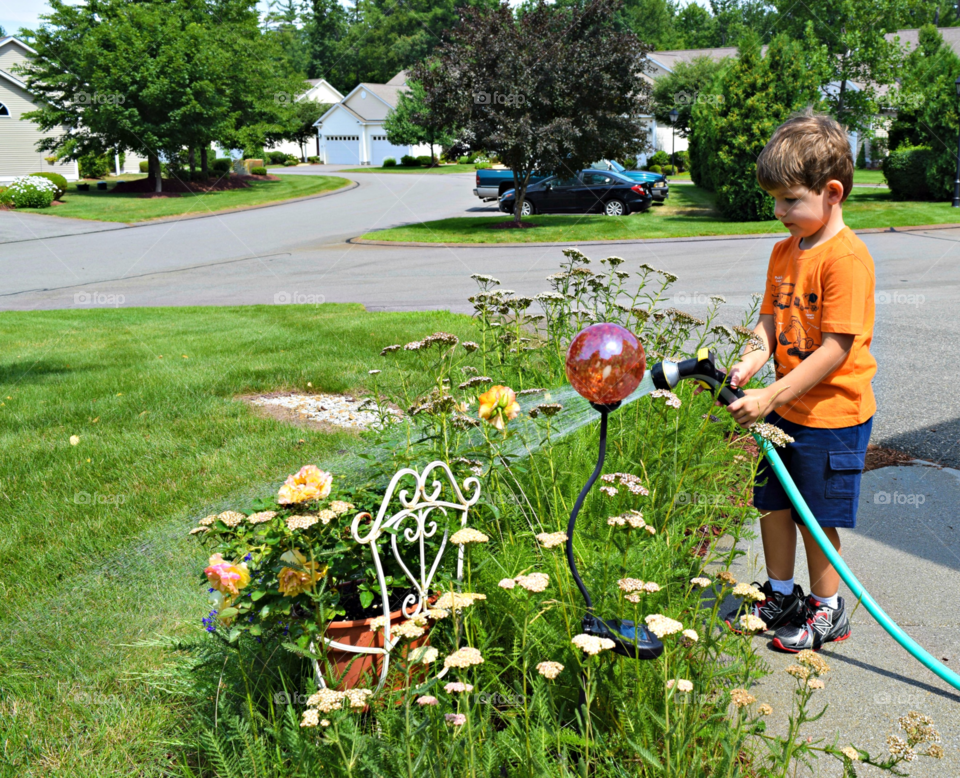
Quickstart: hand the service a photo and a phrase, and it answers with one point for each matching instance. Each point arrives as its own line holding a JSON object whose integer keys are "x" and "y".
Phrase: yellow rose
{"x": 294, "y": 581}
{"x": 308, "y": 484}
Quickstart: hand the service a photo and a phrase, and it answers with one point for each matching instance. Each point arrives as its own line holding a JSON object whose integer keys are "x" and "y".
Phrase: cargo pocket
{"x": 843, "y": 473}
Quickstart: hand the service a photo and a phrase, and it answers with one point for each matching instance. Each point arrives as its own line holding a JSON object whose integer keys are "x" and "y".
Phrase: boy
{"x": 817, "y": 319}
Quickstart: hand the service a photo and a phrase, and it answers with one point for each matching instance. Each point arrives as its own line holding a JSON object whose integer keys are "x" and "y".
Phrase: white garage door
{"x": 343, "y": 149}
{"x": 382, "y": 148}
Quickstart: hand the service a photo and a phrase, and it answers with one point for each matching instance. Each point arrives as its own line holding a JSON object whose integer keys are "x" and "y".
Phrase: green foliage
{"x": 412, "y": 123}
{"x": 669, "y": 170}
{"x": 58, "y": 180}
{"x": 759, "y": 95}
{"x": 276, "y": 157}
{"x": 407, "y": 161}
{"x": 655, "y": 168}
{"x": 389, "y": 162}
{"x": 425, "y": 160}
{"x": 465, "y": 160}
{"x": 94, "y": 165}
{"x": 927, "y": 114}
{"x": 862, "y": 157}
{"x": 144, "y": 166}
{"x": 681, "y": 159}
{"x": 222, "y": 165}
{"x": 258, "y": 171}
{"x": 907, "y": 170}
{"x": 313, "y": 160}
{"x": 690, "y": 83}
{"x": 29, "y": 192}
{"x": 660, "y": 158}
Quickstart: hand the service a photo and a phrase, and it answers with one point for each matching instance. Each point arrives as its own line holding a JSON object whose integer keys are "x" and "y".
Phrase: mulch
{"x": 879, "y": 456}
{"x": 171, "y": 187}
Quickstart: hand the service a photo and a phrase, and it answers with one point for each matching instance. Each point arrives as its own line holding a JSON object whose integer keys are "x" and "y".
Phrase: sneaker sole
{"x": 780, "y": 647}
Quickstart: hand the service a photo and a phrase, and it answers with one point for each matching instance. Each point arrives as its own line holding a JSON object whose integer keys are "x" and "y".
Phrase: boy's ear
{"x": 834, "y": 191}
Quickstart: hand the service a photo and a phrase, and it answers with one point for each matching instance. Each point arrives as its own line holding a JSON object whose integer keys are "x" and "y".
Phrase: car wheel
{"x": 615, "y": 208}
{"x": 527, "y": 209}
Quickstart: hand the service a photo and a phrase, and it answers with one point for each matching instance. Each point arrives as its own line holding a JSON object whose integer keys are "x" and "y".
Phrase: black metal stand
{"x": 630, "y": 640}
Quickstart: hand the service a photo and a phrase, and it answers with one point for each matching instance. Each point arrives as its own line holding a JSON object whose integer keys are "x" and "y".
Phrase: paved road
{"x": 298, "y": 251}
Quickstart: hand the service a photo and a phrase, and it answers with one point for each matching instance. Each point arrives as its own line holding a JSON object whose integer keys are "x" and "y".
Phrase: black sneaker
{"x": 776, "y": 610}
{"x": 817, "y": 625}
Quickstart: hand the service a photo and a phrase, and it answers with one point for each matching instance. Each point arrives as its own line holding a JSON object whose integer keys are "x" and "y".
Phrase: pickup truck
{"x": 491, "y": 183}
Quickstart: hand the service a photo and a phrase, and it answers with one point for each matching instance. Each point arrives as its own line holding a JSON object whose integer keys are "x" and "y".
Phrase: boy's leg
{"x": 824, "y": 579}
{"x": 778, "y": 531}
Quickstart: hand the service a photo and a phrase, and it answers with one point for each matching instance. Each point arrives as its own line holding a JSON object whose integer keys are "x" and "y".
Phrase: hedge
{"x": 907, "y": 171}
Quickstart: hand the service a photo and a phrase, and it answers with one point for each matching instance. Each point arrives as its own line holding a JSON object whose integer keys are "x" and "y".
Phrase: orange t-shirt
{"x": 825, "y": 289}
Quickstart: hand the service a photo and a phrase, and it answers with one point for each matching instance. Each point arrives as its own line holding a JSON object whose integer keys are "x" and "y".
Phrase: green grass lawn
{"x": 421, "y": 170}
{"x": 94, "y": 546}
{"x": 107, "y": 206}
{"x": 688, "y": 212}
{"x": 859, "y": 177}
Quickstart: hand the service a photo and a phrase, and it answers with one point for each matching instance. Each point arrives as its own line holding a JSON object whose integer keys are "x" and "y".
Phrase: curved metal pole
{"x": 579, "y": 504}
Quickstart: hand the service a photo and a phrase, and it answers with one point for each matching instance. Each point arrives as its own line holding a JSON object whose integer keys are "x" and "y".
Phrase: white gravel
{"x": 335, "y": 409}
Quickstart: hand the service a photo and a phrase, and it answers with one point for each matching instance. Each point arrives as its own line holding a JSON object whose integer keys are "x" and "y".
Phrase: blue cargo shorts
{"x": 826, "y": 465}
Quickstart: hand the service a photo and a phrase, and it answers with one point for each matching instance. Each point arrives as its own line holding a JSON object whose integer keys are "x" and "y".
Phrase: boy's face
{"x": 803, "y": 211}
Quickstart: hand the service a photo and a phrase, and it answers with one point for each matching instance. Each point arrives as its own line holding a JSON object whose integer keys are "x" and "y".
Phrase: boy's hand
{"x": 740, "y": 374}
{"x": 753, "y": 405}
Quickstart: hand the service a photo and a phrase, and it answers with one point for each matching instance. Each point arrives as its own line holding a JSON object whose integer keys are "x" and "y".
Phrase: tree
{"x": 760, "y": 93}
{"x": 154, "y": 77}
{"x": 326, "y": 27}
{"x": 552, "y": 90}
{"x": 926, "y": 106}
{"x": 859, "y": 59}
{"x": 304, "y": 115}
{"x": 285, "y": 24}
{"x": 689, "y": 83}
{"x": 411, "y": 123}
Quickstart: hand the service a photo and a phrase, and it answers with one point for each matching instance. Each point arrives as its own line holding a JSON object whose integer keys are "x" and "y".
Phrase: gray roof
{"x": 389, "y": 93}
{"x": 910, "y": 38}
{"x": 669, "y": 59}
{"x": 398, "y": 80}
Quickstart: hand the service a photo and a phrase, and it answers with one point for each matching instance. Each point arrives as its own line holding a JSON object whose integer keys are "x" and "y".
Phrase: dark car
{"x": 656, "y": 182}
{"x": 590, "y": 191}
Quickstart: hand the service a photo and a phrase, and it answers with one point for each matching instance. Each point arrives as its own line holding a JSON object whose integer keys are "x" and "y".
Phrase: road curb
{"x": 359, "y": 241}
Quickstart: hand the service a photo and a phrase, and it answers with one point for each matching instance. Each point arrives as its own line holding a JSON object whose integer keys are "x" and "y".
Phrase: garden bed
{"x": 146, "y": 186}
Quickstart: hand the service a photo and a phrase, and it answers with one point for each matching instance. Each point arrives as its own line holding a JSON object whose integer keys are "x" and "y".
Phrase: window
{"x": 564, "y": 183}
{"x": 379, "y": 137}
{"x": 343, "y": 137}
{"x": 4, "y": 111}
{"x": 596, "y": 179}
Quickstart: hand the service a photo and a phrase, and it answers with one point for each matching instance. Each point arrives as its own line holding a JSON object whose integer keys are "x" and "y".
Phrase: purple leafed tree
{"x": 544, "y": 89}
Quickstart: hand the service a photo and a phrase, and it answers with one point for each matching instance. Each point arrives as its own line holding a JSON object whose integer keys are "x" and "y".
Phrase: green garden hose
{"x": 704, "y": 371}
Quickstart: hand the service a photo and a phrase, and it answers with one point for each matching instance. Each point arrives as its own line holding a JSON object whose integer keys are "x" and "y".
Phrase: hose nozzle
{"x": 702, "y": 368}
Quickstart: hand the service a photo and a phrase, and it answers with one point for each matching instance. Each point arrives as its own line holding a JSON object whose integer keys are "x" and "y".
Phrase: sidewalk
{"x": 906, "y": 552}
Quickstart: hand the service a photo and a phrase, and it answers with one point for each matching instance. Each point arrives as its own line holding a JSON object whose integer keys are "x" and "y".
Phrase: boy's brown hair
{"x": 806, "y": 151}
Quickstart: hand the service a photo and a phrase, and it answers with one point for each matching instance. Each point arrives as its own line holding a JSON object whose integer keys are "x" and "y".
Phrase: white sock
{"x": 830, "y": 602}
{"x": 783, "y": 587}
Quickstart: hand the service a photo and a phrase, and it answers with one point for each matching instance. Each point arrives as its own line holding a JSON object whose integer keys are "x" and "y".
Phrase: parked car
{"x": 657, "y": 181}
{"x": 590, "y": 191}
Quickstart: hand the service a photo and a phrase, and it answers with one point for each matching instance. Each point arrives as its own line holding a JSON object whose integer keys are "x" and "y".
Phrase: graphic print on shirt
{"x": 783, "y": 296}
{"x": 796, "y": 337}
{"x": 808, "y": 302}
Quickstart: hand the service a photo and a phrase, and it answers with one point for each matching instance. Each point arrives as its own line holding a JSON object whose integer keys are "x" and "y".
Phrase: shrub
{"x": 144, "y": 166}
{"x": 482, "y": 166}
{"x": 258, "y": 171}
{"x": 389, "y": 162}
{"x": 862, "y": 157}
{"x": 654, "y": 168}
{"x": 906, "y": 171}
{"x": 30, "y": 192}
{"x": 221, "y": 165}
{"x": 291, "y": 162}
{"x": 760, "y": 93}
{"x": 276, "y": 157}
{"x": 629, "y": 162}
{"x": 59, "y": 181}
{"x": 407, "y": 161}
{"x": 199, "y": 175}
{"x": 660, "y": 158}
{"x": 681, "y": 159}
{"x": 425, "y": 161}
{"x": 254, "y": 152}
{"x": 313, "y": 160}
{"x": 669, "y": 170}
{"x": 94, "y": 165}
{"x": 465, "y": 160}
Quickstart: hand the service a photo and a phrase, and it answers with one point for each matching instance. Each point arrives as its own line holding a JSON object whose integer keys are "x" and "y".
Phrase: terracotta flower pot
{"x": 354, "y": 671}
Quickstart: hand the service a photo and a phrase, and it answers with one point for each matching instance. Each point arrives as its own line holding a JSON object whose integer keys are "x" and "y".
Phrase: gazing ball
{"x": 605, "y": 363}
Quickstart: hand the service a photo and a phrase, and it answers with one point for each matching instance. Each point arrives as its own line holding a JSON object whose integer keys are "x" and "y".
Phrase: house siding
{"x": 18, "y": 139}
{"x": 369, "y": 107}
{"x": 11, "y": 54}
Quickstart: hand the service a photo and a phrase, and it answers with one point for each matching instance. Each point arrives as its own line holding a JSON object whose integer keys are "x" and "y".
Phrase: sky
{"x": 15, "y": 14}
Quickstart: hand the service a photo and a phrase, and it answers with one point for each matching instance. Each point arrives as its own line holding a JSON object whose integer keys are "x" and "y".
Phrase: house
{"x": 351, "y": 132}
{"x": 18, "y": 139}
{"x": 320, "y": 91}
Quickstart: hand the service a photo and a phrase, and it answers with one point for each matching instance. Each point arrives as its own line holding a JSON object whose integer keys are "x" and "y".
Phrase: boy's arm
{"x": 750, "y": 363}
{"x": 821, "y": 363}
